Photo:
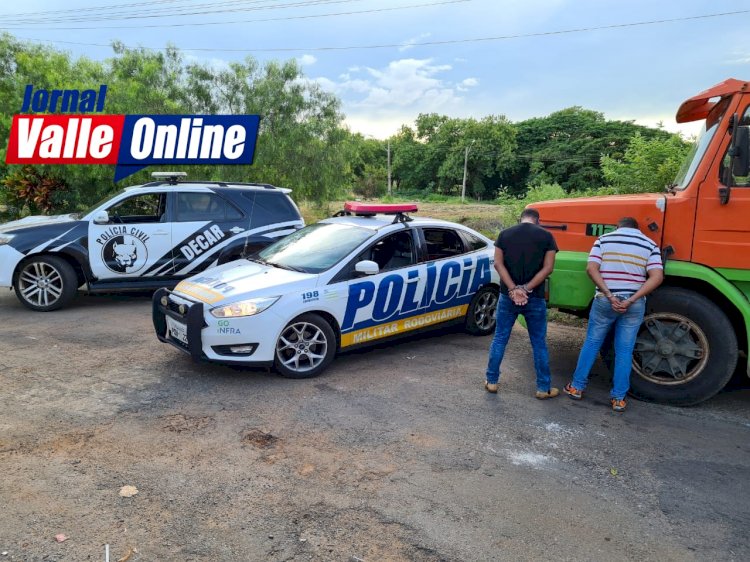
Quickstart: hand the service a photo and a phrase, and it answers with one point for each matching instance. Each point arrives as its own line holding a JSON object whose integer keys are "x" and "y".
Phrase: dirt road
{"x": 396, "y": 453}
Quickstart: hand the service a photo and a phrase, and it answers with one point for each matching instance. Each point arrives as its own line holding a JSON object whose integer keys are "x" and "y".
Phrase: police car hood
{"x": 241, "y": 279}
{"x": 38, "y": 220}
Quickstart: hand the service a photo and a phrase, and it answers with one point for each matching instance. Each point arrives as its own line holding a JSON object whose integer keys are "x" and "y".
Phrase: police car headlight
{"x": 6, "y": 238}
{"x": 243, "y": 308}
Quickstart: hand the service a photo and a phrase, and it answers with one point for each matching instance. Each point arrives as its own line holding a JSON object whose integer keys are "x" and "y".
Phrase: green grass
{"x": 487, "y": 218}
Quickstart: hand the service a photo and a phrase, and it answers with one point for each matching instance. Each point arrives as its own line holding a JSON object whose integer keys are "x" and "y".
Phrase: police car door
{"x": 204, "y": 222}
{"x": 376, "y": 305}
{"x": 453, "y": 276}
{"x": 137, "y": 236}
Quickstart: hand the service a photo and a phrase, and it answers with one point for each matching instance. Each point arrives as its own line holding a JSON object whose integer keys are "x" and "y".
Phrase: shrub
{"x": 31, "y": 191}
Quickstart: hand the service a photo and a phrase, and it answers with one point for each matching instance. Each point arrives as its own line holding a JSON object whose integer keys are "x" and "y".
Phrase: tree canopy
{"x": 303, "y": 142}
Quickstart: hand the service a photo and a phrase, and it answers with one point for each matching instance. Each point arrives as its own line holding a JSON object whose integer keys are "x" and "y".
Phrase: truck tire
{"x": 305, "y": 347}
{"x": 686, "y": 350}
{"x": 480, "y": 317}
{"x": 45, "y": 283}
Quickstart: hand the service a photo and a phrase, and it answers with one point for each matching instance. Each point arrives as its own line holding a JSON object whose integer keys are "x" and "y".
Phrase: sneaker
{"x": 618, "y": 405}
{"x": 551, "y": 393}
{"x": 573, "y": 392}
{"x": 490, "y": 387}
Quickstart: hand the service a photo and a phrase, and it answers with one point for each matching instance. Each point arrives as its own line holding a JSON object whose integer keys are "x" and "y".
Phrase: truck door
{"x": 722, "y": 231}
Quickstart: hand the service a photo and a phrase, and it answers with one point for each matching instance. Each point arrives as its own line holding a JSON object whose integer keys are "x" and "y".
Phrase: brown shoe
{"x": 490, "y": 387}
{"x": 573, "y": 392}
{"x": 618, "y": 405}
{"x": 551, "y": 393}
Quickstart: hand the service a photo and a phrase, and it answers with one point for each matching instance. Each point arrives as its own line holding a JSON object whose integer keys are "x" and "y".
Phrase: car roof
{"x": 377, "y": 222}
{"x": 210, "y": 186}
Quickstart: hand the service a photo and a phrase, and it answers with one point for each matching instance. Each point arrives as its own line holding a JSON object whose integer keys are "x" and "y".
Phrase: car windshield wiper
{"x": 285, "y": 266}
{"x": 279, "y": 265}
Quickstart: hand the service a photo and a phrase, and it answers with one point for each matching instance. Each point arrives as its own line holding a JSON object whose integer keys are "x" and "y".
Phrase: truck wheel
{"x": 45, "y": 283}
{"x": 480, "y": 318}
{"x": 305, "y": 347}
{"x": 686, "y": 350}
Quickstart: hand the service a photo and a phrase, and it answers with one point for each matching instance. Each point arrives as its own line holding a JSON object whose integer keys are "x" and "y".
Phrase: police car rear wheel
{"x": 480, "y": 318}
{"x": 46, "y": 283}
{"x": 305, "y": 347}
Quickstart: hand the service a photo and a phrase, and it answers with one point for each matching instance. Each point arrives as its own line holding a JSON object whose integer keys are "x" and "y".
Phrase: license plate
{"x": 177, "y": 331}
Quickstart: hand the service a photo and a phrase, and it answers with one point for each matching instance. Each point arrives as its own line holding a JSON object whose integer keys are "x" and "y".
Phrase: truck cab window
{"x": 742, "y": 181}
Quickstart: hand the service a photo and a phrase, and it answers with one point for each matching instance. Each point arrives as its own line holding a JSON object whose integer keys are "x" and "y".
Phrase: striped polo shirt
{"x": 624, "y": 256}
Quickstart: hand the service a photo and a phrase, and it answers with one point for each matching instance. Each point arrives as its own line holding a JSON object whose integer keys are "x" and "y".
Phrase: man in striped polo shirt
{"x": 625, "y": 265}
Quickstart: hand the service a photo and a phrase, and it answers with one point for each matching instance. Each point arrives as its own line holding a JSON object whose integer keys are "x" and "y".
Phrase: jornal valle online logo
{"x": 68, "y": 127}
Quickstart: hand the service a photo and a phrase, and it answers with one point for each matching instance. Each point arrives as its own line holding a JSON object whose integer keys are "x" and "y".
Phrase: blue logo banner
{"x": 185, "y": 139}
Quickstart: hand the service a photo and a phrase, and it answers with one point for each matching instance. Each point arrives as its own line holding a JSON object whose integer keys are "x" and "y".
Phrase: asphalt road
{"x": 396, "y": 453}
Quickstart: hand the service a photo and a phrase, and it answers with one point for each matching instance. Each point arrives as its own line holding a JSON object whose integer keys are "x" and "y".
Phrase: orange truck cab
{"x": 697, "y": 323}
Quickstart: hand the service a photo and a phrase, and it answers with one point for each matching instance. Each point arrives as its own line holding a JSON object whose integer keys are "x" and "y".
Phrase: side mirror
{"x": 741, "y": 157}
{"x": 738, "y": 158}
{"x": 102, "y": 217}
{"x": 367, "y": 267}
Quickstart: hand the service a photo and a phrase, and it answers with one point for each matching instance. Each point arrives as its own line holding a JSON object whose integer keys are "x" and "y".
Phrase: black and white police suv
{"x": 370, "y": 272}
{"x": 144, "y": 237}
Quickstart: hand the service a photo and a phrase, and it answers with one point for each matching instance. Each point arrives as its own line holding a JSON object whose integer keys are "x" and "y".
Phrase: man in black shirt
{"x": 524, "y": 258}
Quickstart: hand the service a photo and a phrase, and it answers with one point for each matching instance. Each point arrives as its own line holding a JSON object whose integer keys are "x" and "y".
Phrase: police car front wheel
{"x": 45, "y": 283}
{"x": 305, "y": 347}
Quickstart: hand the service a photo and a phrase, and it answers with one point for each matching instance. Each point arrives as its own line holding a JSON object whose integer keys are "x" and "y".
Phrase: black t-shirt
{"x": 524, "y": 246}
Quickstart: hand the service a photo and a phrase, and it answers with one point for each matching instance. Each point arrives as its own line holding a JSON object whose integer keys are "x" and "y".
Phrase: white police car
{"x": 143, "y": 237}
{"x": 369, "y": 273}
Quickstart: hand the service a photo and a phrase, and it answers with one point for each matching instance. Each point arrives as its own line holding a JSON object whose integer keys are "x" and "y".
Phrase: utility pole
{"x": 389, "y": 167}
{"x": 466, "y": 165}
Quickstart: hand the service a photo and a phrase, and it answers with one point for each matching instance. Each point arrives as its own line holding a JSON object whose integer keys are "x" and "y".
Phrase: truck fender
{"x": 676, "y": 268}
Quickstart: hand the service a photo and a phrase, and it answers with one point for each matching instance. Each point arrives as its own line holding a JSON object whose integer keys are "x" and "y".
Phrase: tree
{"x": 648, "y": 165}
{"x": 431, "y": 156}
{"x": 368, "y": 165}
{"x": 567, "y": 146}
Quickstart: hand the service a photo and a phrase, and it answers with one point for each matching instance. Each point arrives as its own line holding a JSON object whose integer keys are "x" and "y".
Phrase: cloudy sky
{"x": 389, "y": 60}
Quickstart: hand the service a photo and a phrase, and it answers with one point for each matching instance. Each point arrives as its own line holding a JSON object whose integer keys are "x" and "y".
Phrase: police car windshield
{"x": 315, "y": 248}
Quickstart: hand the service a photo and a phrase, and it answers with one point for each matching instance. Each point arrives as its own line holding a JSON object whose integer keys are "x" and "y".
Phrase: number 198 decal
{"x": 310, "y": 296}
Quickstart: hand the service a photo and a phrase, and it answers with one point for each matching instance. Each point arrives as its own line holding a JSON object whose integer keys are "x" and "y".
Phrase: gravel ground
{"x": 395, "y": 453}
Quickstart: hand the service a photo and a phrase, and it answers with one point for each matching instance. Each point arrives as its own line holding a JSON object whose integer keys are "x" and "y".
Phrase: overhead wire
{"x": 422, "y": 43}
{"x": 103, "y": 7}
{"x": 263, "y": 20}
{"x": 161, "y": 12}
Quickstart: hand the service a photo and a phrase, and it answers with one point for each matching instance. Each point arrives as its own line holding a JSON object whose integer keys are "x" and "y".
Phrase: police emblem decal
{"x": 124, "y": 254}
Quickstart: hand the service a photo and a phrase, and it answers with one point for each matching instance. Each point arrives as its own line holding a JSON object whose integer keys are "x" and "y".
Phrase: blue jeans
{"x": 535, "y": 313}
{"x": 626, "y": 326}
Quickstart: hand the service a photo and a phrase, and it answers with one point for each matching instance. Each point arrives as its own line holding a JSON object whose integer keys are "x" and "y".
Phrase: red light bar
{"x": 369, "y": 209}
